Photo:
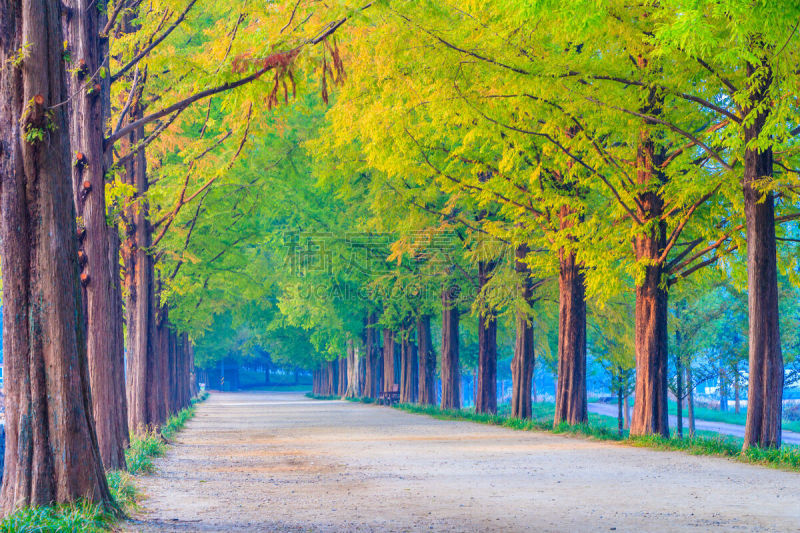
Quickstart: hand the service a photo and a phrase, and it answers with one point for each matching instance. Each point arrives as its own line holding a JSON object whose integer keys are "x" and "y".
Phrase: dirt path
{"x": 280, "y": 462}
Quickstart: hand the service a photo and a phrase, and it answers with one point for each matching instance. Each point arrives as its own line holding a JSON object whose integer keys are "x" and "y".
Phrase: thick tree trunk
{"x": 650, "y": 405}
{"x": 88, "y": 108}
{"x": 486, "y": 386}
{"x": 331, "y": 378}
{"x": 451, "y": 373}
{"x": 139, "y": 289}
{"x": 353, "y": 370}
{"x": 371, "y": 371}
{"x": 522, "y": 368}
{"x": 628, "y": 411}
{"x": 389, "y": 377}
{"x": 524, "y": 357}
{"x": 362, "y": 373}
{"x": 765, "y": 389}
{"x": 193, "y": 386}
{"x": 427, "y": 362}
{"x": 409, "y": 377}
{"x": 341, "y": 388}
{"x": 118, "y": 362}
{"x": 51, "y": 449}
{"x": 571, "y": 388}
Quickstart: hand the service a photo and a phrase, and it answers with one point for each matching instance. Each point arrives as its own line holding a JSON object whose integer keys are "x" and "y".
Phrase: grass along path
{"x": 604, "y": 427}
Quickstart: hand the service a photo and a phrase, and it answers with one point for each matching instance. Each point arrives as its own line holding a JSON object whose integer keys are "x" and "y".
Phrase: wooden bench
{"x": 390, "y": 397}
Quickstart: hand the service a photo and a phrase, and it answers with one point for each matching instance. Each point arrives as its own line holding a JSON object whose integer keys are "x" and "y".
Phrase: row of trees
{"x": 96, "y": 104}
{"x": 487, "y": 161}
{"x": 495, "y": 158}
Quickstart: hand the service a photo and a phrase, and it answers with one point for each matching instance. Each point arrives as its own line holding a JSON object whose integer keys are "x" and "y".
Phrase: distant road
{"x": 736, "y": 430}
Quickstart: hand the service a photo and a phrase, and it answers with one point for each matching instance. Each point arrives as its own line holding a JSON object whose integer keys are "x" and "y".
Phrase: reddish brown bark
{"x": 371, "y": 372}
{"x": 650, "y": 406}
{"x": 389, "y": 377}
{"x": 427, "y": 362}
{"x": 331, "y": 378}
{"x": 51, "y": 450}
{"x": 486, "y": 389}
{"x": 486, "y": 386}
{"x": 158, "y": 398}
{"x": 451, "y": 373}
{"x": 140, "y": 290}
{"x": 523, "y": 362}
{"x": 766, "y": 373}
{"x": 341, "y": 387}
{"x": 409, "y": 376}
{"x": 354, "y": 376}
{"x": 571, "y": 386}
{"x": 88, "y": 108}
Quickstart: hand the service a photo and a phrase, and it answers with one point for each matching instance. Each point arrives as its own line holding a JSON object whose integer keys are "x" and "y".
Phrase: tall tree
{"x": 88, "y": 86}
{"x": 51, "y": 451}
{"x": 427, "y": 362}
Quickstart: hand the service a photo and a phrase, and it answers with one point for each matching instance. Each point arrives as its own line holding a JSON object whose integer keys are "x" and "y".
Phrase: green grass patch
{"x": 91, "y": 518}
{"x": 321, "y": 397}
{"x": 143, "y": 449}
{"x": 361, "y": 400}
{"x": 79, "y": 516}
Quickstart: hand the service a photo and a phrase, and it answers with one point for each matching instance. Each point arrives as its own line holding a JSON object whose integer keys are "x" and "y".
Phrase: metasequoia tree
{"x": 427, "y": 362}
{"x": 143, "y": 119}
{"x": 524, "y": 357}
{"x": 88, "y": 86}
{"x": 51, "y": 448}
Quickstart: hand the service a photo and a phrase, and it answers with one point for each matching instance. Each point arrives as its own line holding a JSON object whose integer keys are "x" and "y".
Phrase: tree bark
{"x": 571, "y": 388}
{"x": 341, "y": 388}
{"x": 765, "y": 386}
{"x": 389, "y": 378}
{"x": 628, "y": 411}
{"x": 371, "y": 372}
{"x": 353, "y": 370}
{"x": 88, "y": 108}
{"x": 409, "y": 377}
{"x": 331, "y": 378}
{"x": 650, "y": 405}
{"x": 451, "y": 373}
{"x": 524, "y": 357}
{"x": 139, "y": 288}
{"x": 51, "y": 449}
{"x": 486, "y": 391}
{"x": 427, "y": 362}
